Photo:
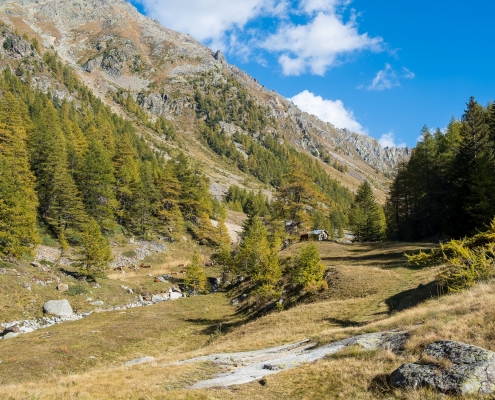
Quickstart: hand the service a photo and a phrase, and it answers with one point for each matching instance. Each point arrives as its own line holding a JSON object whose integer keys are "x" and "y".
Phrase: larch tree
{"x": 195, "y": 277}
{"x": 94, "y": 252}
{"x": 295, "y": 199}
{"x": 18, "y": 198}
{"x": 308, "y": 270}
{"x": 97, "y": 183}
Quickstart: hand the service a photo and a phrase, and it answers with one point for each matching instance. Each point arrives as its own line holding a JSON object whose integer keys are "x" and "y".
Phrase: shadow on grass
{"x": 78, "y": 275}
{"x": 344, "y": 323}
{"x": 380, "y": 385}
{"x": 386, "y": 255}
{"x": 385, "y": 260}
{"x": 412, "y": 297}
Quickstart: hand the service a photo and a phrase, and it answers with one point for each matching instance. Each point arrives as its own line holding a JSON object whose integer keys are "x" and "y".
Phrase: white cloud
{"x": 387, "y": 78}
{"x": 384, "y": 79}
{"x": 388, "y": 140}
{"x": 208, "y": 20}
{"x": 328, "y": 110}
{"x": 407, "y": 73}
{"x": 310, "y": 6}
{"x": 314, "y": 45}
{"x": 317, "y": 45}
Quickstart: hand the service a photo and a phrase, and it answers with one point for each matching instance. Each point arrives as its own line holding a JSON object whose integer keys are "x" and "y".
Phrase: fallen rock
{"x": 62, "y": 287}
{"x": 174, "y": 295}
{"x": 97, "y": 303}
{"x": 455, "y": 368}
{"x": 147, "y": 297}
{"x": 60, "y": 308}
{"x": 9, "y": 335}
{"x": 141, "y": 360}
{"x": 35, "y": 264}
{"x": 156, "y": 298}
{"x": 13, "y": 329}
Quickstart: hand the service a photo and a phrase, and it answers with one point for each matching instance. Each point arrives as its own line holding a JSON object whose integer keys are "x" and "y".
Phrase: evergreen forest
{"x": 80, "y": 172}
{"x": 447, "y": 189}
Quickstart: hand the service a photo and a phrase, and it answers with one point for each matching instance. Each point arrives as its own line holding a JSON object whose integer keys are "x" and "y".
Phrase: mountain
{"x": 126, "y": 57}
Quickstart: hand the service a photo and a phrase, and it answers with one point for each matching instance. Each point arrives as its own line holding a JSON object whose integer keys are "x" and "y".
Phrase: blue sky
{"x": 384, "y": 68}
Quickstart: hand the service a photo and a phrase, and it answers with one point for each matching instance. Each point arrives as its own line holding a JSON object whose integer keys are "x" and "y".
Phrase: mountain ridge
{"x": 113, "y": 47}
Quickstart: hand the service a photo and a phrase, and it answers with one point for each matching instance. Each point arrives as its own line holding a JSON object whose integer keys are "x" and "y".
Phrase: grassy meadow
{"x": 371, "y": 289}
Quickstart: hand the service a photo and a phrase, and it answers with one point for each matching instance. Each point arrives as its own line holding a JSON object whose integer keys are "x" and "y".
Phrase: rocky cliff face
{"x": 113, "y": 48}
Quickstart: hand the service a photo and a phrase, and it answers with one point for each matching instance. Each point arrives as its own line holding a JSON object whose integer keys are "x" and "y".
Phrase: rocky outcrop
{"x": 248, "y": 366}
{"x": 450, "y": 367}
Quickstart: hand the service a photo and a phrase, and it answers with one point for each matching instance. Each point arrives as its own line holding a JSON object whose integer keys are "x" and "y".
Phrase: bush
{"x": 467, "y": 261}
{"x": 75, "y": 290}
{"x": 130, "y": 253}
{"x": 6, "y": 264}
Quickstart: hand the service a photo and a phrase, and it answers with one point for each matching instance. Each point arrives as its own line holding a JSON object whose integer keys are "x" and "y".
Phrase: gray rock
{"x": 60, "y": 308}
{"x": 62, "y": 287}
{"x": 460, "y": 369}
{"x": 97, "y": 303}
{"x": 174, "y": 295}
{"x": 218, "y": 55}
{"x": 92, "y": 65}
{"x": 156, "y": 298}
{"x": 35, "y": 264}
{"x": 10, "y": 335}
{"x": 141, "y": 360}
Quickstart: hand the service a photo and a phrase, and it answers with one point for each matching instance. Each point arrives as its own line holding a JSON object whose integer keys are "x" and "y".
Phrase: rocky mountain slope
{"x": 119, "y": 53}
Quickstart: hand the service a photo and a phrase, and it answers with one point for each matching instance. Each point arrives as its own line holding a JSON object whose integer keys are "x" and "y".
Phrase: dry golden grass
{"x": 60, "y": 368}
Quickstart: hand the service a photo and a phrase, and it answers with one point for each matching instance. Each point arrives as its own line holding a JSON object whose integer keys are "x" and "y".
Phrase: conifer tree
{"x": 224, "y": 260}
{"x": 169, "y": 212}
{"x": 222, "y": 236}
{"x": 97, "y": 182}
{"x": 95, "y": 252}
{"x": 258, "y": 258}
{"x": 195, "y": 277}
{"x": 65, "y": 209}
{"x": 308, "y": 270}
{"x": 254, "y": 248}
{"x": 294, "y": 199}
{"x": 17, "y": 192}
{"x": 471, "y": 175}
{"x": 17, "y": 215}
{"x": 365, "y": 217}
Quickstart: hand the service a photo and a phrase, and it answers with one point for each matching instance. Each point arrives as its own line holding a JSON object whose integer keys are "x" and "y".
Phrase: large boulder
{"x": 450, "y": 367}
{"x": 60, "y": 308}
{"x": 174, "y": 295}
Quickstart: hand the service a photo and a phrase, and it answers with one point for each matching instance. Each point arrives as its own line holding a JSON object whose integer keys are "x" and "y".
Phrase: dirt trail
{"x": 254, "y": 365}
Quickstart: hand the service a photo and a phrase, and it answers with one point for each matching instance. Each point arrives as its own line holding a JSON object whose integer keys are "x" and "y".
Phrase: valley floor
{"x": 372, "y": 289}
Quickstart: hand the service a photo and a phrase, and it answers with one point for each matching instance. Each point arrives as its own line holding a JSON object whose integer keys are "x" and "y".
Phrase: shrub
{"x": 6, "y": 264}
{"x": 129, "y": 253}
{"x": 76, "y": 289}
{"x": 467, "y": 261}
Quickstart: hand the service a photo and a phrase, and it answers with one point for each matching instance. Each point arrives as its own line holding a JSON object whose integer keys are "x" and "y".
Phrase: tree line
{"x": 447, "y": 188}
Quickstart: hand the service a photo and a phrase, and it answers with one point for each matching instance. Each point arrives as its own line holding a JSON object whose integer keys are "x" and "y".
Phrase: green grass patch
{"x": 129, "y": 253}
{"x": 76, "y": 289}
{"x": 6, "y": 264}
